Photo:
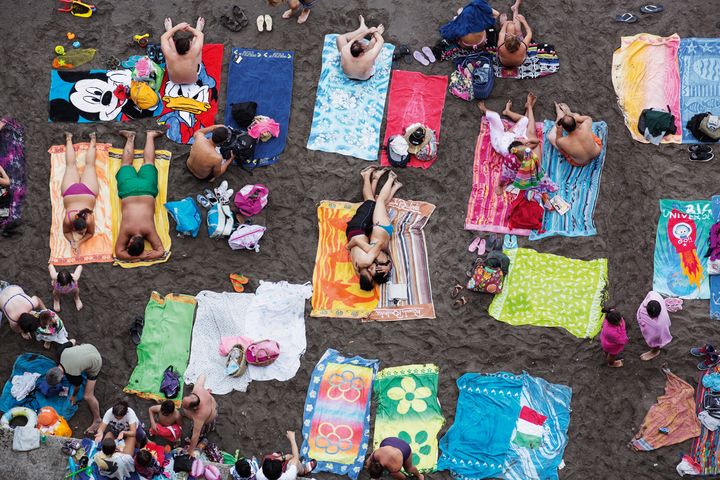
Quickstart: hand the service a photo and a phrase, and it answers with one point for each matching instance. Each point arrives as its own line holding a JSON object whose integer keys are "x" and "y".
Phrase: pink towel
{"x": 227, "y": 344}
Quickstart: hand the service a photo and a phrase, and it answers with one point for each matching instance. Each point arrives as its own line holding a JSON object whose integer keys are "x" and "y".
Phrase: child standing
{"x": 654, "y": 321}
{"x": 295, "y": 6}
{"x": 613, "y": 337}
{"x": 65, "y": 283}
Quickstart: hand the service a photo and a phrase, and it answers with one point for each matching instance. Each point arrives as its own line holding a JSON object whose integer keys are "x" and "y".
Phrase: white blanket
{"x": 276, "y": 311}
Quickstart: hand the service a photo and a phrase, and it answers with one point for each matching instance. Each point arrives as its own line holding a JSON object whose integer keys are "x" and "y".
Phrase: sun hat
{"x": 417, "y": 136}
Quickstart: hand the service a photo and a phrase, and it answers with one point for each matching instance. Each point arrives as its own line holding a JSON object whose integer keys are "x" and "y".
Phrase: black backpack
{"x": 657, "y": 122}
{"x": 694, "y": 126}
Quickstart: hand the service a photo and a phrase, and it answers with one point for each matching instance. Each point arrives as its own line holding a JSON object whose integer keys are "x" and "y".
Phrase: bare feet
{"x": 288, "y": 13}
{"x": 503, "y": 19}
{"x": 381, "y": 29}
{"x": 56, "y": 305}
{"x": 92, "y": 429}
{"x": 565, "y": 108}
{"x": 154, "y": 133}
{"x": 78, "y": 304}
{"x": 508, "y": 108}
{"x": 396, "y": 186}
{"x": 68, "y": 137}
{"x": 368, "y": 170}
{"x": 73, "y": 341}
{"x": 362, "y": 21}
{"x": 559, "y": 111}
{"x": 304, "y": 16}
{"x": 168, "y": 24}
{"x": 531, "y": 99}
{"x": 616, "y": 364}
{"x": 377, "y": 174}
{"x": 93, "y": 137}
{"x": 481, "y": 106}
{"x": 650, "y": 355}
{"x": 200, "y": 24}
{"x": 127, "y": 134}
{"x": 516, "y": 7}
{"x": 392, "y": 175}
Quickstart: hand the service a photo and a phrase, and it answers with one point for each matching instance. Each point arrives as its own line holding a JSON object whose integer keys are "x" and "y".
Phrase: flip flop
{"x": 624, "y": 18}
{"x": 238, "y": 282}
{"x": 260, "y": 21}
{"x": 429, "y": 54}
{"x": 474, "y": 245}
{"x": 230, "y": 23}
{"x": 481, "y": 247}
{"x": 203, "y": 201}
{"x": 268, "y": 23}
{"x": 460, "y": 302}
{"x": 456, "y": 291}
{"x": 652, "y": 8}
{"x": 421, "y": 58}
{"x": 510, "y": 242}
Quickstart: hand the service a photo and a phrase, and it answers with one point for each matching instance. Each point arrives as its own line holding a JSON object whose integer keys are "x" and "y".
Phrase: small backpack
{"x": 710, "y": 127}
{"x": 694, "y": 126}
{"x": 657, "y": 121}
{"x": 262, "y": 353}
{"x": 170, "y": 385}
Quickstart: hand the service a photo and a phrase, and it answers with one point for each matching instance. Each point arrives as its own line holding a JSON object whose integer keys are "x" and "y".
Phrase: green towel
{"x": 408, "y": 408}
{"x": 165, "y": 341}
{"x": 552, "y": 291}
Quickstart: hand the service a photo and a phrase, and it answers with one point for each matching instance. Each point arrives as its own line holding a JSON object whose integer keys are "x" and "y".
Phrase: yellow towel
{"x": 162, "y": 224}
{"x": 100, "y": 247}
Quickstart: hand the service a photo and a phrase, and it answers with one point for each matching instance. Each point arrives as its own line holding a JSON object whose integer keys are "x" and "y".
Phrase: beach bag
{"x": 170, "y": 384}
{"x": 483, "y": 77}
{"x": 219, "y": 221}
{"x": 461, "y": 85}
{"x": 485, "y": 279}
{"x": 25, "y": 438}
{"x": 236, "y": 364}
{"x": 247, "y": 237}
{"x": 262, "y": 353}
{"x": 251, "y": 199}
{"x": 187, "y": 217}
{"x": 710, "y": 127}
{"x": 693, "y": 125}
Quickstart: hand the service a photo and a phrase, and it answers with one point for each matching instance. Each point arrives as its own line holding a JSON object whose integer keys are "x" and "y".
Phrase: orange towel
{"x": 99, "y": 248}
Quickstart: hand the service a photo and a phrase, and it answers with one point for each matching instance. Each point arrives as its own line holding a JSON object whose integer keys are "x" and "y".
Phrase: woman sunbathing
{"x": 14, "y": 302}
{"x": 79, "y": 195}
{"x": 512, "y": 43}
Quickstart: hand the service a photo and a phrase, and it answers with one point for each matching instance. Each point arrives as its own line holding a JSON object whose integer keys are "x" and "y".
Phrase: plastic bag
{"x": 186, "y": 215}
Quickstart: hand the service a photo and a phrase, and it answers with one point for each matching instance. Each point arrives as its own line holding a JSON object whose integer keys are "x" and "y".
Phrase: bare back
{"x": 206, "y": 411}
{"x": 357, "y": 68}
{"x": 168, "y": 420}
{"x": 580, "y": 144}
{"x": 138, "y": 216}
{"x": 203, "y": 157}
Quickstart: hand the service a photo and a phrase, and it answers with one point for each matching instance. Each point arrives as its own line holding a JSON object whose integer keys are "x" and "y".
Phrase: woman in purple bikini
{"x": 79, "y": 195}
{"x": 393, "y": 455}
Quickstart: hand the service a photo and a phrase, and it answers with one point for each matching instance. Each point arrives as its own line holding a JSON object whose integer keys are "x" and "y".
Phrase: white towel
{"x": 23, "y": 384}
{"x": 276, "y": 311}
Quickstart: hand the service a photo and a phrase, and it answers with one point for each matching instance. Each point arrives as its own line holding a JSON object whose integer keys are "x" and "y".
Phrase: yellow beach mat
{"x": 336, "y": 287}
{"x": 162, "y": 224}
{"x": 99, "y": 248}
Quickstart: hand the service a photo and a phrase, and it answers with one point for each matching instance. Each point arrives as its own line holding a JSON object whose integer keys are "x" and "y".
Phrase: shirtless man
{"x": 201, "y": 408}
{"x": 79, "y": 195}
{"x": 357, "y": 58}
{"x": 183, "y": 53}
{"x": 205, "y": 161}
{"x": 14, "y": 302}
{"x": 168, "y": 423}
{"x": 137, "y": 191}
{"x": 369, "y": 231}
{"x": 513, "y": 45}
{"x": 580, "y": 146}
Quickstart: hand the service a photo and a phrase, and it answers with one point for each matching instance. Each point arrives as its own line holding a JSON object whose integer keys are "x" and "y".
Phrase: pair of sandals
{"x": 647, "y": 9}
{"x": 454, "y": 294}
{"x": 237, "y": 21}
{"x": 136, "y": 329}
{"x": 481, "y": 245}
{"x": 701, "y": 153}
{"x": 425, "y": 56}
{"x": 402, "y": 53}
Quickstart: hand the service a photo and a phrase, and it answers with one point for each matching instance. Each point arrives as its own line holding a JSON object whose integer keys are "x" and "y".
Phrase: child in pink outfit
{"x": 613, "y": 337}
{"x": 654, "y": 321}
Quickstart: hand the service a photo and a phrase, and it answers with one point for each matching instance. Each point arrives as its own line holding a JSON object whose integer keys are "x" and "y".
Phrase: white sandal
{"x": 260, "y": 23}
{"x": 268, "y": 23}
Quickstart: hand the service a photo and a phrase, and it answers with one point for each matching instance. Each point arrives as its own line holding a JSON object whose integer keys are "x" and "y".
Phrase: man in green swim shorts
{"x": 137, "y": 190}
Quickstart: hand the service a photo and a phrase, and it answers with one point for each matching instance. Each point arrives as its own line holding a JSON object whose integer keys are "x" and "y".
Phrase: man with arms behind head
{"x": 357, "y": 56}
{"x": 182, "y": 46}
{"x": 580, "y": 146}
{"x": 137, "y": 191}
{"x": 205, "y": 161}
{"x": 201, "y": 408}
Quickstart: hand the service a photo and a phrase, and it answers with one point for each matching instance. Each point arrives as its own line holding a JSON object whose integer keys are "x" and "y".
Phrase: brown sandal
{"x": 456, "y": 290}
{"x": 460, "y": 302}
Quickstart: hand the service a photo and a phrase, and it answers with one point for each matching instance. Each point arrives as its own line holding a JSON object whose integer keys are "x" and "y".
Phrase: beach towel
{"x": 705, "y": 449}
{"x": 645, "y": 74}
{"x": 162, "y": 223}
{"x": 675, "y": 410}
{"x": 552, "y": 291}
{"x": 165, "y": 342}
{"x": 336, "y": 289}
{"x": 12, "y": 160}
{"x": 537, "y": 64}
{"x": 408, "y": 408}
{"x": 715, "y": 279}
{"x": 276, "y": 311}
{"x": 579, "y": 186}
{"x": 99, "y": 248}
{"x": 681, "y": 246}
{"x": 549, "y": 405}
{"x": 35, "y": 363}
{"x": 348, "y": 113}
{"x": 414, "y": 98}
{"x": 699, "y": 60}
{"x": 94, "y": 96}
{"x": 336, "y": 419}
{"x": 487, "y": 211}
{"x": 266, "y": 78}
{"x": 188, "y": 108}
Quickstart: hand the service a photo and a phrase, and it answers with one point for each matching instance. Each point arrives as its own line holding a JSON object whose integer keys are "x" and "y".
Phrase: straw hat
{"x": 417, "y": 136}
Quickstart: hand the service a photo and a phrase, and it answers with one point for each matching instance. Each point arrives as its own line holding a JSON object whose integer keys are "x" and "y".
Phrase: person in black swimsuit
{"x": 393, "y": 455}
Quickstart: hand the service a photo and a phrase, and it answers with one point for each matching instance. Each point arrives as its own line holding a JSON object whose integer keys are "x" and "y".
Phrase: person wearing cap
{"x": 73, "y": 362}
{"x": 205, "y": 161}
{"x": 357, "y": 57}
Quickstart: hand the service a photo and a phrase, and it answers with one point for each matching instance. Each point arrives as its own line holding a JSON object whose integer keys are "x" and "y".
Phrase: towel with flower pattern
{"x": 336, "y": 420}
{"x": 408, "y": 408}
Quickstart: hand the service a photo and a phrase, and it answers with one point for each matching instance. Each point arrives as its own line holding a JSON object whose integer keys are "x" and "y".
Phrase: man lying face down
{"x": 370, "y": 229}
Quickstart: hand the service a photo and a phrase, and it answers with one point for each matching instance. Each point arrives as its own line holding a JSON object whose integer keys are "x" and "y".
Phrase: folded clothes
{"x": 708, "y": 421}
